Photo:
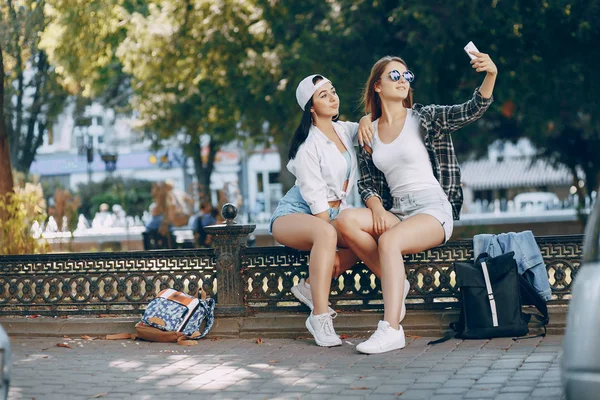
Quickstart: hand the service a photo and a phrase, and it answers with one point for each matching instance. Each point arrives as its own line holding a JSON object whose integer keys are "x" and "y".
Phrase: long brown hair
{"x": 371, "y": 100}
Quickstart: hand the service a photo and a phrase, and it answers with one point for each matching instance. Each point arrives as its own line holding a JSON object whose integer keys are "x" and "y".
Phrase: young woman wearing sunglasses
{"x": 409, "y": 180}
{"x": 323, "y": 160}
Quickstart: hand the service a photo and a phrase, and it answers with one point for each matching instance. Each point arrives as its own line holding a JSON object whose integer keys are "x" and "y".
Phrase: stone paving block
{"x": 324, "y": 389}
{"x": 486, "y": 386}
{"x": 507, "y": 364}
{"x": 493, "y": 379}
{"x": 550, "y": 382}
{"x": 472, "y": 371}
{"x": 512, "y": 396}
{"x": 425, "y": 385}
{"x": 416, "y": 394}
{"x": 547, "y": 392}
{"x": 442, "y": 367}
{"x": 383, "y": 397}
{"x": 534, "y": 366}
{"x": 238, "y": 367}
{"x": 446, "y": 397}
{"x": 480, "y": 394}
{"x": 452, "y": 390}
{"x": 535, "y": 358}
{"x": 357, "y": 392}
{"x": 459, "y": 383}
{"x": 527, "y": 375}
{"x": 517, "y": 388}
{"x": 391, "y": 389}
{"x": 438, "y": 377}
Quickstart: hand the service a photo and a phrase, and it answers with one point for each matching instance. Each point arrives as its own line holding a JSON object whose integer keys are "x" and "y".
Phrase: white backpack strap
{"x": 488, "y": 286}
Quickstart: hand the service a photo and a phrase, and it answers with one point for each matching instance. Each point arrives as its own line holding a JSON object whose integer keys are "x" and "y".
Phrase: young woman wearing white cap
{"x": 323, "y": 160}
{"x": 409, "y": 180}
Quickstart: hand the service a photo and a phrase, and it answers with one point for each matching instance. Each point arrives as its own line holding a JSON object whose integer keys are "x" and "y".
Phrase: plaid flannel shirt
{"x": 436, "y": 124}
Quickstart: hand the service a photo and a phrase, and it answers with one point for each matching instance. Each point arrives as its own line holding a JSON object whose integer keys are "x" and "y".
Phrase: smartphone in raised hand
{"x": 471, "y": 47}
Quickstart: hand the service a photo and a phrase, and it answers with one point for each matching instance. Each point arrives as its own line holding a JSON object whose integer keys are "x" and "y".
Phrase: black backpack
{"x": 492, "y": 293}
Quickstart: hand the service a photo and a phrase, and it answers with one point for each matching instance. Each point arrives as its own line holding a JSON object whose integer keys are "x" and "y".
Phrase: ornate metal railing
{"x": 242, "y": 279}
{"x": 99, "y": 283}
{"x": 269, "y": 273}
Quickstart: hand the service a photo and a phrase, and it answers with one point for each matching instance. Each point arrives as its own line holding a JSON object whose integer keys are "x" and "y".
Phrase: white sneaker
{"x": 302, "y": 292}
{"x": 321, "y": 327}
{"x": 384, "y": 339}
{"x": 403, "y": 309}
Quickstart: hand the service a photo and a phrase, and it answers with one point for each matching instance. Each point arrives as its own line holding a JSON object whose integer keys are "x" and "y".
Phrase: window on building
{"x": 273, "y": 177}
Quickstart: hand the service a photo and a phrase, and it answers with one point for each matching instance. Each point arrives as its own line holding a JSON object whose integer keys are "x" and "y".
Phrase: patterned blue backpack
{"x": 176, "y": 317}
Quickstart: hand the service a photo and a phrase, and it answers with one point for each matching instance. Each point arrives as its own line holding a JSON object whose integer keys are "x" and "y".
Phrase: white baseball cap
{"x": 306, "y": 88}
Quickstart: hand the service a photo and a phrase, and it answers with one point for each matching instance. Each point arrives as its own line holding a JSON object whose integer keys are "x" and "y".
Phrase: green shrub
{"x": 18, "y": 211}
{"x": 133, "y": 195}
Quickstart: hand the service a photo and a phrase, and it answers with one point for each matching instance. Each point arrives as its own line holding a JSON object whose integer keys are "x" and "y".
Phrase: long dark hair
{"x": 302, "y": 130}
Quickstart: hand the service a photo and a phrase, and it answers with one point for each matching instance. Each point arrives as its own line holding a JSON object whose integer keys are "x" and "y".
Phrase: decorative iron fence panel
{"x": 269, "y": 273}
{"x": 123, "y": 283}
{"x": 99, "y": 283}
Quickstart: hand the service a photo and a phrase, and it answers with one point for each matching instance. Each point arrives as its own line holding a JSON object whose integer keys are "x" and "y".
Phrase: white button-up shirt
{"x": 320, "y": 168}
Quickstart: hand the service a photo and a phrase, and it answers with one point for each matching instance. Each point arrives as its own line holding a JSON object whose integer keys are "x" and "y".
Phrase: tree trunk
{"x": 32, "y": 141}
{"x": 6, "y": 178}
{"x": 204, "y": 171}
{"x": 16, "y": 128}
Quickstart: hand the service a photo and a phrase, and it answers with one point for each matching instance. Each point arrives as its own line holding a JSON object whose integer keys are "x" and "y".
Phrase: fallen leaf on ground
{"x": 63, "y": 345}
{"x": 214, "y": 339}
{"x": 360, "y": 388}
{"x": 344, "y": 336}
{"x": 259, "y": 341}
{"x": 97, "y": 396}
{"x": 273, "y": 361}
{"x": 63, "y": 317}
{"x": 86, "y": 337}
{"x": 33, "y": 316}
{"x": 414, "y": 336}
{"x": 66, "y": 337}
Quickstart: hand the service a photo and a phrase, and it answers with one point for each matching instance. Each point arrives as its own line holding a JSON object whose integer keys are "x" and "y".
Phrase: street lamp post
{"x": 90, "y": 157}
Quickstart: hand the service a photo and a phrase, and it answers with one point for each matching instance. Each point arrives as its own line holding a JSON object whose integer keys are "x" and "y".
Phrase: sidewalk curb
{"x": 267, "y": 325}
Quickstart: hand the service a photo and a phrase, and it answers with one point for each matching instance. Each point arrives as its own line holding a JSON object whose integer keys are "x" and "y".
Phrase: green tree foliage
{"x": 132, "y": 194}
{"x": 32, "y": 96}
{"x": 200, "y": 66}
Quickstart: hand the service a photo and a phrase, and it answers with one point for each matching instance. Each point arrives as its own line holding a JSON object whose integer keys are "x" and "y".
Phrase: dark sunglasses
{"x": 396, "y": 75}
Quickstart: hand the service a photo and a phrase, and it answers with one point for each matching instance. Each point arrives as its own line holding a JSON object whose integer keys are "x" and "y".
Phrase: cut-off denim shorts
{"x": 427, "y": 201}
{"x": 294, "y": 203}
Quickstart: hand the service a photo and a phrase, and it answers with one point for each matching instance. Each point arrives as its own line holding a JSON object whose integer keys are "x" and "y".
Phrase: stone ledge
{"x": 267, "y": 325}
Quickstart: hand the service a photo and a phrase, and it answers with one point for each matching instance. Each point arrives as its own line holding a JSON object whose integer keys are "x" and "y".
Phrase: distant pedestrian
{"x": 206, "y": 218}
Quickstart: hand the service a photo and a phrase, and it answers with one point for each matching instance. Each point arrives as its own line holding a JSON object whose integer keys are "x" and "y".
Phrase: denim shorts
{"x": 427, "y": 201}
{"x": 293, "y": 203}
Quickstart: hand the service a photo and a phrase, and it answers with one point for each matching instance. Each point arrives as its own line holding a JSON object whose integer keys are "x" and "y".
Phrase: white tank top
{"x": 405, "y": 161}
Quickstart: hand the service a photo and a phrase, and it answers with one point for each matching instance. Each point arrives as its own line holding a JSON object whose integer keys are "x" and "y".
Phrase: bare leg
{"x": 306, "y": 232}
{"x": 356, "y": 227}
{"x": 415, "y": 234}
{"x": 344, "y": 258}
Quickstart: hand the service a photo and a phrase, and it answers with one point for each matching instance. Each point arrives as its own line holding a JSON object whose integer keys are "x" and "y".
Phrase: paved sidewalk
{"x": 285, "y": 369}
